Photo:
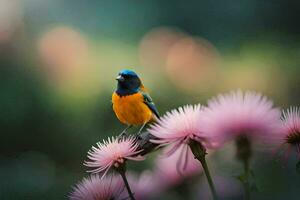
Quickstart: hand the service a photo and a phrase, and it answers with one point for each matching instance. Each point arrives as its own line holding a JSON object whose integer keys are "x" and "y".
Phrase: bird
{"x": 131, "y": 102}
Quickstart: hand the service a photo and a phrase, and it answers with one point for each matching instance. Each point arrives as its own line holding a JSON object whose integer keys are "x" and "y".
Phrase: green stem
{"x": 246, "y": 182}
{"x": 122, "y": 173}
{"x": 200, "y": 152}
{"x": 208, "y": 177}
{"x": 243, "y": 154}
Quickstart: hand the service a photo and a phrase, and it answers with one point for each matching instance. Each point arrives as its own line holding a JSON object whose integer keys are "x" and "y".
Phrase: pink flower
{"x": 178, "y": 127}
{"x": 290, "y": 131}
{"x": 94, "y": 188}
{"x": 112, "y": 153}
{"x": 236, "y": 114}
{"x": 145, "y": 186}
{"x": 177, "y": 167}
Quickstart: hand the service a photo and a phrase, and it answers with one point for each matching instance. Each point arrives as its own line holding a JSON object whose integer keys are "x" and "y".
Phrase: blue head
{"x": 128, "y": 82}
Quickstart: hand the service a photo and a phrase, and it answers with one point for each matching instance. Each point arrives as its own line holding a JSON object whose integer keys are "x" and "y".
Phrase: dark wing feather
{"x": 148, "y": 101}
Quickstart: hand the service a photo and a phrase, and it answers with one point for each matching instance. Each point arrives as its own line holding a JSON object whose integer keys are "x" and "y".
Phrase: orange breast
{"x": 131, "y": 109}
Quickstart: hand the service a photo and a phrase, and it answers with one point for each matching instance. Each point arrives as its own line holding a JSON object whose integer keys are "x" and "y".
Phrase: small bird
{"x": 131, "y": 103}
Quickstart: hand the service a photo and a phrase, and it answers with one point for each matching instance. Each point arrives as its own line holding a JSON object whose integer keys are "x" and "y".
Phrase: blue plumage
{"x": 128, "y": 73}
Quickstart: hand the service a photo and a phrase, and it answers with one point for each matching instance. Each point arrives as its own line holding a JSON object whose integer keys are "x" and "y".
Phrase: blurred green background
{"x": 59, "y": 58}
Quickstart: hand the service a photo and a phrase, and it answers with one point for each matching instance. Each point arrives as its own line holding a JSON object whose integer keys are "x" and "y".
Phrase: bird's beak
{"x": 120, "y": 78}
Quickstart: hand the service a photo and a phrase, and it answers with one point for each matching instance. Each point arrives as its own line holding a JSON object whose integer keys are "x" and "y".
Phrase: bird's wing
{"x": 148, "y": 101}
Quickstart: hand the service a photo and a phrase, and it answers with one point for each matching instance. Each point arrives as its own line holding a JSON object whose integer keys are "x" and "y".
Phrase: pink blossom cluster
{"x": 225, "y": 118}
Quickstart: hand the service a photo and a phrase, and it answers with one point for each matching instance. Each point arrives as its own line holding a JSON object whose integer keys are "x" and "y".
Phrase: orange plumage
{"x": 131, "y": 109}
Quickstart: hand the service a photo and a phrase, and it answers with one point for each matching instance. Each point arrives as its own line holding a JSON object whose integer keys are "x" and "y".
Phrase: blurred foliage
{"x": 55, "y": 103}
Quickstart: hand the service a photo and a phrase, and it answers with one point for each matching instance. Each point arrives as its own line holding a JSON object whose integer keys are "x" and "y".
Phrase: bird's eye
{"x": 125, "y": 76}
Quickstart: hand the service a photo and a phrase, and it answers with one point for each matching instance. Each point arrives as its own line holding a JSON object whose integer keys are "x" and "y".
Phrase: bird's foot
{"x": 138, "y": 133}
{"x": 123, "y": 134}
{"x": 141, "y": 130}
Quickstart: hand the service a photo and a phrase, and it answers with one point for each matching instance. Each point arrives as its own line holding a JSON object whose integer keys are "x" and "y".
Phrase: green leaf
{"x": 252, "y": 173}
{"x": 241, "y": 178}
{"x": 254, "y": 187}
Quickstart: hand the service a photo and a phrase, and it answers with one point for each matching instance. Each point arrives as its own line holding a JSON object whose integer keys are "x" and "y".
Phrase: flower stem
{"x": 200, "y": 152}
{"x": 122, "y": 173}
{"x": 243, "y": 154}
{"x": 246, "y": 181}
{"x": 208, "y": 176}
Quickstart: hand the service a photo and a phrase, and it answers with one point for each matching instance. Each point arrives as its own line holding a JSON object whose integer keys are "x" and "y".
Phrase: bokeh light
{"x": 245, "y": 72}
{"x": 10, "y": 19}
{"x": 63, "y": 50}
{"x": 192, "y": 63}
{"x": 66, "y": 61}
{"x": 155, "y": 45}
